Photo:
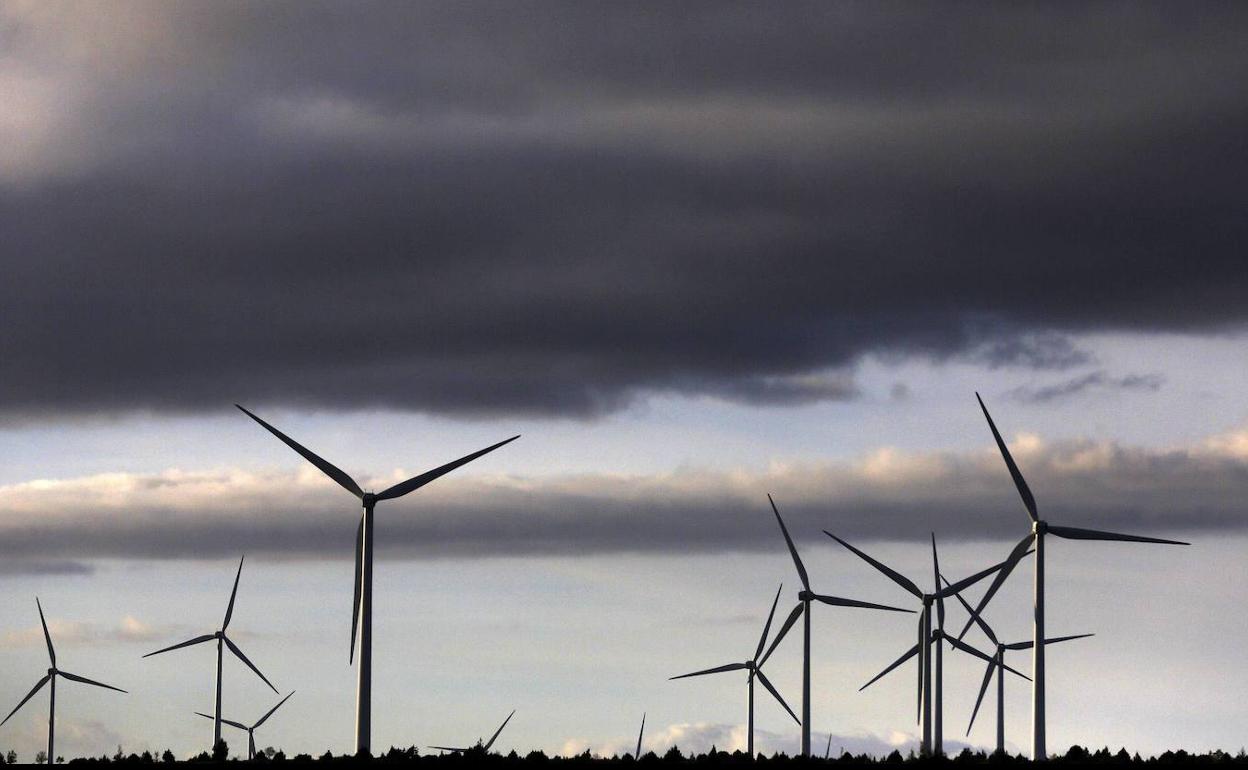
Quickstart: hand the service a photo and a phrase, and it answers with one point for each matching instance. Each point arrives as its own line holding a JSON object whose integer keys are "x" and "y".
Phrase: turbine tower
{"x": 251, "y": 731}
{"x": 755, "y": 666}
{"x": 50, "y": 678}
{"x": 804, "y": 597}
{"x": 222, "y": 641}
{"x": 926, "y": 637}
{"x": 1039, "y": 528}
{"x": 483, "y": 747}
{"x": 362, "y": 612}
{"x": 996, "y": 665}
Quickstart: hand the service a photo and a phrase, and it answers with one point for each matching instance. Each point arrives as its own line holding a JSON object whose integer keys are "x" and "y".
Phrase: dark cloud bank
{"x": 551, "y": 208}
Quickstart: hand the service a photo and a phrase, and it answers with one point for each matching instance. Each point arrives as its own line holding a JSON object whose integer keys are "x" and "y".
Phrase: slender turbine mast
{"x": 362, "y": 613}
{"x": 804, "y": 597}
{"x": 251, "y": 731}
{"x": 927, "y": 637}
{"x": 1039, "y": 528}
{"x": 755, "y": 666}
{"x": 222, "y": 641}
{"x": 996, "y": 666}
{"x": 50, "y": 679}
{"x": 484, "y": 748}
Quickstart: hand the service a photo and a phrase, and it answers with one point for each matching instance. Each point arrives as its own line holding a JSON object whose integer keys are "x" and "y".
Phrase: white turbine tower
{"x": 1039, "y": 528}
{"x": 997, "y": 666}
{"x": 251, "y": 731}
{"x": 483, "y": 747}
{"x": 755, "y": 668}
{"x": 50, "y": 679}
{"x": 362, "y": 613}
{"x": 804, "y": 597}
{"x": 932, "y": 730}
{"x": 222, "y": 641}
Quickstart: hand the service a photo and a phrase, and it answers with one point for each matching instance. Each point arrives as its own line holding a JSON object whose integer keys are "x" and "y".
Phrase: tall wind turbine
{"x": 1039, "y": 528}
{"x": 926, "y": 637}
{"x": 641, "y": 732}
{"x": 251, "y": 731}
{"x": 222, "y": 642}
{"x": 755, "y": 666}
{"x": 50, "y": 677}
{"x": 996, "y": 666}
{"x": 483, "y": 747}
{"x": 804, "y": 597}
{"x": 362, "y": 612}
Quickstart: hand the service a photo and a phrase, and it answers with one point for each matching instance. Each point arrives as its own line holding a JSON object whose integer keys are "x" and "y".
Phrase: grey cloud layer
{"x": 883, "y": 496}
{"x": 556, "y": 208}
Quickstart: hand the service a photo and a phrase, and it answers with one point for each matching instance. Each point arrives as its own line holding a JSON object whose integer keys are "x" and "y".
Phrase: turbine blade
{"x": 983, "y": 688}
{"x": 1008, "y": 566}
{"x": 494, "y": 737}
{"x": 1029, "y": 501}
{"x": 784, "y": 629}
{"x": 416, "y": 482}
{"x": 234, "y": 649}
{"x": 344, "y": 481}
{"x": 975, "y": 616}
{"x": 837, "y": 601}
{"x": 940, "y": 600}
{"x": 907, "y": 656}
{"x": 265, "y": 718}
{"x": 359, "y": 580}
{"x": 716, "y": 670}
{"x": 84, "y": 680}
{"x": 797, "y": 560}
{"x": 229, "y": 611}
{"x": 762, "y": 640}
{"x": 1057, "y": 639}
{"x": 224, "y": 721}
{"x": 46, "y": 636}
{"x": 188, "y": 643}
{"x": 776, "y": 693}
{"x": 641, "y": 732}
{"x": 29, "y": 695}
{"x": 1027, "y": 645}
{"x": 1077, "y": 533}
{"x": 889, "y": 572}
{"x": 967, "y": 582}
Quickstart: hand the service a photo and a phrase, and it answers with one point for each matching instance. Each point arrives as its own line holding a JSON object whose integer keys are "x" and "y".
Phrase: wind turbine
{"x": 755, "y": 667}
{"x": 641, "y": 732}
{"x": 485, "y": 748}
{"x": 222, "y": 642}
{"x": 926, "y": 637}
{"x": 995, "y": 665}
{"x": 251, "y": 731}
{"x": 1039, "y": 528}
{"x": 50, "y": 677}
{"x": 362, "y": 612}
{"x": 804, "y": 597}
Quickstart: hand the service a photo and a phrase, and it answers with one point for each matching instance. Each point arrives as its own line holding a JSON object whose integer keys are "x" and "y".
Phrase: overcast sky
{"x": 694, "y": 254}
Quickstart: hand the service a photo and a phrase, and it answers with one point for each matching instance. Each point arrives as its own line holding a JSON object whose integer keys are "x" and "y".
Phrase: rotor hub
{"x": 805, "y": 596}
{"x": 1039, "y": 527}
{"x": 369, "y": 499}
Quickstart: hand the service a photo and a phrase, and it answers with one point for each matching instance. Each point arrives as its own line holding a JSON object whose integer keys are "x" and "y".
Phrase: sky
{"x": 693, "y": 254}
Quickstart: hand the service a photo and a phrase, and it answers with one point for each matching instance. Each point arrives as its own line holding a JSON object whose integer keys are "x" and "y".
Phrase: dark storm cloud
{"x": 555, "y": 208}
{"x": 886, "y": 495}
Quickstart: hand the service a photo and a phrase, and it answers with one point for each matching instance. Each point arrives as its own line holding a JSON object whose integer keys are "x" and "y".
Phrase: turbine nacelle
{"x": 368, "y": 499}
{"x": 805, "y": 596}
{"x": 1039, "y": 527}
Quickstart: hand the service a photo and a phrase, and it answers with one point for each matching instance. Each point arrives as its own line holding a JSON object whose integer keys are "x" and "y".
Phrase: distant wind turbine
{"x": 1039, "y": 528}
{"x": 251, "y": 731}
{"x": 995, "y": 665}
{"x": 222, "y": 641}
{"x": 755, "y": 667}
{"x": 483, "y": 747}
{"x": 804, "y": 598}
{"x": 926, "y": 637}
{"x": 50, "y": 678}
{"x": 362, "y": 612}
{"x": 641, "y": 732}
